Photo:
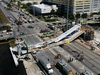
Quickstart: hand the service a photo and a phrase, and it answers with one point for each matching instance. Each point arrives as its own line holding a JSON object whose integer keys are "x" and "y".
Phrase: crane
{"x": 27, "y": 56}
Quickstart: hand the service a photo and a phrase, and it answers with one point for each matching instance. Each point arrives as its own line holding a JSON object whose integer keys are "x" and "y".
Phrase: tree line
{"x": 71, "y": 17}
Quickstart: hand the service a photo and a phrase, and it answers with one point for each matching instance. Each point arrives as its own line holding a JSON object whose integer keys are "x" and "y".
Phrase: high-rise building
{"x": 81, "y": 6}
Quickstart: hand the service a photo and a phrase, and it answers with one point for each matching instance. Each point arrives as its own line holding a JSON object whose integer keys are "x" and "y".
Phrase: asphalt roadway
{"x": 9, "y": 16}
{"x": 18, "y": 29}
{"x": 48, "y": 55}
{"x": 91, "y": 60}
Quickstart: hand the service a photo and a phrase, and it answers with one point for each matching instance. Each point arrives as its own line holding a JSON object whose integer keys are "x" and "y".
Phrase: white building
{"x": 75, "y": 6}
{"x": 42, "y": 8}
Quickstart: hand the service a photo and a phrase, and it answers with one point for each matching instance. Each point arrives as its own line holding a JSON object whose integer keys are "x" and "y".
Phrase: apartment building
{"x": 81, "y": 6}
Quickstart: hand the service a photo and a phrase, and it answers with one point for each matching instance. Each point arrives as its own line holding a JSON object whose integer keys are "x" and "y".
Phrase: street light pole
{"x": 34, "y": 8}
{"x": 67, "y": 14}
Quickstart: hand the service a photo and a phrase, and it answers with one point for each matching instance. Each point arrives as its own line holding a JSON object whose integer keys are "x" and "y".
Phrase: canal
{"x": 7, "y": 66}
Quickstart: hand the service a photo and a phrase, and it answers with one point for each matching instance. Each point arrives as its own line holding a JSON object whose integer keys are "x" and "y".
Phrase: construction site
{"x": 50, "y": 49}
{"x": 89, "y": 32}
{"x": 41, "y": 48}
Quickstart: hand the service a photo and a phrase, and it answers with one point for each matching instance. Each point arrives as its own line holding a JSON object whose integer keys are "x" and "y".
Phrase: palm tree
{"x": 19, "y": 3}
{"x": 35, "y": 3}
{"x": 52, "y": 12}
{"x": 29, "y": 4}
{"x": 71, "y": 17}
{"x": 77, "y": 16}
{"x": 41, "y": 2}
{"x": 84, "y": 15}
{"x": 58, "y": 12}
{"x": 24, "y": 6}
{"x": 9, "y": 5}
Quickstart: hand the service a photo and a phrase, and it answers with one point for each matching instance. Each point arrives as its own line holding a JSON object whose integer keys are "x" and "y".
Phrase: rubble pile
{"x": 89, "y": 32}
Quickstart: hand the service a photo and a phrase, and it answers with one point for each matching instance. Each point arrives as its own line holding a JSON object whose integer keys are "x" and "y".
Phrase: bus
{"x": 64, "y": 67}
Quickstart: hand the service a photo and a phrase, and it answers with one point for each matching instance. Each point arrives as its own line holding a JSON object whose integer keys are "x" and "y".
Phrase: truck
{"x": 48, "y": 34}
{"x": 51, "y": 26}
{"x": 46, "y": 64}
{"x": 19, "y": 22}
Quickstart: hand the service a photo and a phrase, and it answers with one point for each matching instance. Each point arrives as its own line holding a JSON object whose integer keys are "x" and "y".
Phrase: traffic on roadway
{"x": 36, "y": 31}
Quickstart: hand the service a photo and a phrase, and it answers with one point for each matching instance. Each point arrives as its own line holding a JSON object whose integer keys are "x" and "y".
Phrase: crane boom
{"x": 25, "y": 43}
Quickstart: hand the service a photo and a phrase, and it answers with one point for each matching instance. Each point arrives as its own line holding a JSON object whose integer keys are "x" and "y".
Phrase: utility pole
{"x": 67, "y": 14}
{"x": 19, "y": 22}
{"x": 33, "y": 8}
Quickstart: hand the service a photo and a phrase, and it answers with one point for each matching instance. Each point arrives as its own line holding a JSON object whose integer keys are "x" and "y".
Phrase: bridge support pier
{"x": 84, "y": 35}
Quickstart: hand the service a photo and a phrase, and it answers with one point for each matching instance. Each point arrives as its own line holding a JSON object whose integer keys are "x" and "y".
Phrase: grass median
{"x": 12, "y": 42}
{"x": 3, "y": 19}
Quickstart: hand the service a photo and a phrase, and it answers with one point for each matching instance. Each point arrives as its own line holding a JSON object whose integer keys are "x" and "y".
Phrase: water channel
{"x": 7, "y": 66}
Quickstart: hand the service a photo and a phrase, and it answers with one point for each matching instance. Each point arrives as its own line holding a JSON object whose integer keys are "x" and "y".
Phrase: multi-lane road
{"x": 9, "y": 16}
{"x": 90, "y": 58}
{"x": 52, "y": 60}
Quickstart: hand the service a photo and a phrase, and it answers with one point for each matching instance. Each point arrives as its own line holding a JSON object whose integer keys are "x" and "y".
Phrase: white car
{"x": 7, "y": 33}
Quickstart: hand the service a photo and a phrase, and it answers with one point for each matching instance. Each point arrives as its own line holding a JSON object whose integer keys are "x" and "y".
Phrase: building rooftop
{"x": 43, "y": 6}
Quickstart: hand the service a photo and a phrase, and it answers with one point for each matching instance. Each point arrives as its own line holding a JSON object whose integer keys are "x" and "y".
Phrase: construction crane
{"x": 27, "y": 56}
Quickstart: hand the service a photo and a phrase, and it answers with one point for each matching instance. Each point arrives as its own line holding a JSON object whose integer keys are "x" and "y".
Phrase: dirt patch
{"x": 3, "y": 19}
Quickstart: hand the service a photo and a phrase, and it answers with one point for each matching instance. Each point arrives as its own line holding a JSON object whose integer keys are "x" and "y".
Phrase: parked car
{"x": 37, "y": 20}
{"x": 1, "y": 35}
{"x": 32, "y": 21}
{"x": 9, "y": 30}
{"x": 21, "y": 14}
{"x": 44, "y": 35}
{"x": 45, "y": 30}
{"x": 24, "y": 17}
{"x": 7, "y": 33}
{"x": 25, "y": 21}
{"x": 52, "y": 27}
{"x": 48, "y": 34}
{"x": 30, "y": 27}
{"x": 54, "y": 23}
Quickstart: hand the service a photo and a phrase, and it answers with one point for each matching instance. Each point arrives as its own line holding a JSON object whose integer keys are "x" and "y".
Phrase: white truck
{"x": 46, "y": 64}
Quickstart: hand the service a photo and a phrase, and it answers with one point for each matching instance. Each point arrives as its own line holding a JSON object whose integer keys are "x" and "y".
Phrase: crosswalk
{"x": 27, "y": 35}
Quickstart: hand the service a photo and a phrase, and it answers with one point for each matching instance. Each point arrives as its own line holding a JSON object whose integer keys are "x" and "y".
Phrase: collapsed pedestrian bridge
{"x": 66, "y": 37}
